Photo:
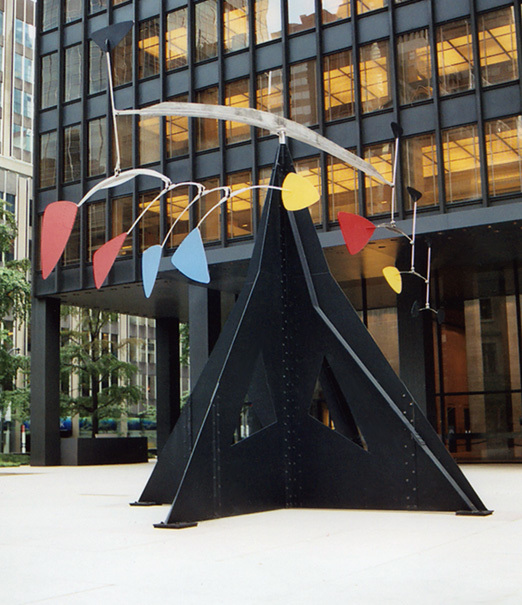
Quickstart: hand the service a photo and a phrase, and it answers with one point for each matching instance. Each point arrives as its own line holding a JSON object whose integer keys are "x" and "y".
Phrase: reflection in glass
{"x": 498, "y": 46}
{"x": 149, "y": 139}
{"x": 301, "y": 15}
{"x": 177, "y": 201}
{"x": 419, "y": 167}
{"x": 334, "y": 10}
{"x": 71, "y": 254}
{"x": 71, "y": 153}
{"x": 267, "y": 20}
{"x": 342, "y": 188}
{"x": 73, "y": 70}
{"x": 97, "y": 159}
{"x": 176, "y": 39}
{"x": 122, "y": 61}
{"x": 235, "y": 24}
{"x": 303, "y": 93}
{"x": 211, "y": 227}
{"x": 455, "y": 57}
{"x": 504, "y": 155}
{"x": 461, "y": 163}
{"x": 206, "y": 34}
{"x": 148, "y": 48}
{"x": 50, "y": 12}
{"x": 239, "y": 208}
{"x": 237, "y": 95}
{"x": 414, "y": 67}
{"x": 263, "y": 178}
{"x": 364, "y": 6}
{"x": 207, "y": 131}
{"x": 378, "y": 195}
{"x": 338, "y": 86}
{"x": 95, "y": 228}
{"x": 121, "y": 221}
{"x": 149, "y": 226}
{"x": 49, "y": 81}
{"x": 48, "y": 158}
{"x": 97, "y": 5}
{"x": 126, "y": 141}
{"x": 310, "y": 169}
{"x": 73, "y": 10}
{"x": 97, "y": 69}
{"x": 176, "y": 132}
{"x": 375, "y": 90}
{"x": 269, "y": 94}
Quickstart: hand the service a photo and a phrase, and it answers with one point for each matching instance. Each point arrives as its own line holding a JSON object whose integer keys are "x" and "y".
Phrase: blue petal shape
{"x": 190, "y": 258}
{"x": 150, "y": 262}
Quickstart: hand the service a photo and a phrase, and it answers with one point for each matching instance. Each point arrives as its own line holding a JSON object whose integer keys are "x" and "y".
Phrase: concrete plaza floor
{"x": 69, "y": 536}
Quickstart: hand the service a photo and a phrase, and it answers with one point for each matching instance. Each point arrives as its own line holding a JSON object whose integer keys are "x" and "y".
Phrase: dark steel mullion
{"x": 135, "y": 143}
{"x": 36, "y": 144}
{"x": 163, "y": 217}
{"x": 85, "y": 65}
{"x": 223, "y": 211}
{"x": 479, "y": 105}
{"x": 285, "y": 67}
{"x": 59, "y": 172}
{"x": 323, "y": 172}
{"x": 191, "y": 55}
{"x": 252, "y": 85}
{"x": 394, "y": 86}
{"x": 358, "y": 106}
{"x": 518, "y": 38}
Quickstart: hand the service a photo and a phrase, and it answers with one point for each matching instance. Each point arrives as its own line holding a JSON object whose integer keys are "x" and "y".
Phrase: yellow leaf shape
{"x": 393, "y": 277}
{"x": 298, "y": 193}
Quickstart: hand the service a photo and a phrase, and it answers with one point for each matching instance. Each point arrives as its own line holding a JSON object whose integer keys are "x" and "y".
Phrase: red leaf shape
{"x": 356, "y": 231}
{"x": 57, "y": 223}
{"x": 104, "y": 257}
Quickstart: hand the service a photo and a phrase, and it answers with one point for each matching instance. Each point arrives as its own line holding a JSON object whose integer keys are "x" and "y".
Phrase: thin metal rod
{"x": 394, "y": 180}
{"x": 428, "y": 271}
{"x": 412, "y": 240}
{"x": 201, "y": 189}
{"x": 221, "y": 201}
{"x": 117, "y": 167}
{"x": 148, "y": 206}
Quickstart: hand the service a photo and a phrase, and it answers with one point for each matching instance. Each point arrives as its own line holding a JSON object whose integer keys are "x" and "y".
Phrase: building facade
{"x": 447, "y": 72}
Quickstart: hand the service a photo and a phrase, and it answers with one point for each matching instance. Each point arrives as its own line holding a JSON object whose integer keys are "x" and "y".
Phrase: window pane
{"x": 303, "y": 93}
{"x": 269, "y": 94}
{"x": 71, "y": 153}
{"x": 49, "y": 81}
{"x": 73, "y": 10}
{"x": 455, "y": 57}
{"x": 97, "y": 5}
{"x": 264, "y": 175}
{"x": 48, "y": 157}
{"x": 149, "y": 226}
{"x": 50, "y": 14}
{"x": 334, "y": 10}
{"x": 148, "y": 48}
{"x": 301, "y": 15}
{"x": 121, "y": 221}
{"x": 338, "y": 86}
{"x": 375, "y": 90}
{"x": 122, "y": 61}
{"x": 176, "y": 39}
{"x": 342, "y": 188}
{"x": 206, "y": 38}
{"x": 235, "y": 25}
{"x": 211, "y": 227}
{"x": 237, "y": 95}
{"x": 97, "y": 161}
{"x": 267, "y": 20}
{"x": 504, "y": 155}
{"x": 177, "y": 201}
{"x": 126, "y": 141}
{"x": 378, "y": 195}
{"x": 71, "y": 254}
{"x": 73, "y": 80}
{"x": 364, "y": 6}
{"x": 498, "y": 47}
{"x": 419, "y": 165}
{"x": 95, "y": 228}
{"x": 207, "y": 133}
{"x": 309, "y": 168}
{"x": 239, "y": 208}
{"x": 97, "y": 69}
{"x": 414, "y": 67}
{"x": 149, "y": 139}
{"x": 461, "y": 163}
{"x": 176, "y": 132}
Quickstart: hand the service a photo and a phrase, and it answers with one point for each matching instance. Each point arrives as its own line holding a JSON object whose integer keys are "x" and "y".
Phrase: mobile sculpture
{"x": 291, "y": 330}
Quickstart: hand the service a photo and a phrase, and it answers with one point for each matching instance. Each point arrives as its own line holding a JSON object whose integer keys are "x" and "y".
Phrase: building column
{"x": 45, "y": 382}
{"x": 204, "y": 327}
{"x": 167, "y": 378}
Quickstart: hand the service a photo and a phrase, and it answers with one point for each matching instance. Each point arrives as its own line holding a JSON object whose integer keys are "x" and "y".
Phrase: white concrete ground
{"x": 68, "y": 536}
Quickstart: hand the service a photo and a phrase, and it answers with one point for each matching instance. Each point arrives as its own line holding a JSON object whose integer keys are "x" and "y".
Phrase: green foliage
{"x": 185, "y": 346}
{"x": 13, "y": 459}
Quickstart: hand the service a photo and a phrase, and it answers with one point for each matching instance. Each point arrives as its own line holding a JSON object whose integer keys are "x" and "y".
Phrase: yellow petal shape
{"x": 298, "y": 193}
{"x": 393, "y": 277}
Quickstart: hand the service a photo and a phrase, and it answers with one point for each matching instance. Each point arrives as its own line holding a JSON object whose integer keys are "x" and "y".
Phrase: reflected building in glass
{"x": 448, "y": 73}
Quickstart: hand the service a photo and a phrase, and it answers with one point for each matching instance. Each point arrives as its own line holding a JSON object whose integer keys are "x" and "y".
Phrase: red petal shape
{"x": 57, "y": 223}
{"x": 104, "y": 257}
{"x": 356, "y": 231}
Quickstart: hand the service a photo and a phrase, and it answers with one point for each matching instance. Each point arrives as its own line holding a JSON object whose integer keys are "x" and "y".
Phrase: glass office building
{"x": 447, "y": 72}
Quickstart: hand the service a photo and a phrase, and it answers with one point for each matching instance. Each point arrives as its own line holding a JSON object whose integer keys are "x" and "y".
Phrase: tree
{"x": 106, "y": 386}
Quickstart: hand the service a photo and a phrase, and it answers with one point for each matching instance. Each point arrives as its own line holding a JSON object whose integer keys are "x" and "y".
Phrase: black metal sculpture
{"x": 291, "y": 327}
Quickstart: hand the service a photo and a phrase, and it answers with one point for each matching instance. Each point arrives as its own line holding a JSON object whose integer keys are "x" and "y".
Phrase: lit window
{"x": 338, "y": 86}
{"x": 73, "y": 67}
{"x": 235, "y": 24}
{"x": 364, "y": 6}
{"x": 207, "y": 130}
{"x": 237, "y": 95}
{"x": 149, "y": 139}
{"x": 211, "y": 227}
{"x": 498, "y": 46}
{"x": 49, "y": 81}
{"x": 334, "y": 10}
{"x": 269, "y": 94}
{"x": 267, "y": 20}
{"x": 149, "y": 226}
{"x": 48, "y": 156}
{"x": 504, "y": 155}
{"x": 176, "y": 39}
{"x": 461, "y": 163}
{"x": 239, "y": 208}
{"x": 97, "y": 160}
{"x": 303, "y": 93}
{"x": 310, "y": 169}
{"x": 121, "y": 216}
{"x": 72, "y": 153}
{"x": 414, "y": 67}
{"x": 206, "y": 37}
{"x": 176, "y": 132}
{"x": 419, "y": 167}
{"x": 122, "y": 61}
{"x": 342, "y": 188}
{"x": 377, "y": 194}
{"x": 455, "y": 57}
{"x": 375, "y": 89}
{"x": 263, "y": 178}
{"x": 95, "y": 228}
{"x": 177, "y": 201}
{"x": 301, "y": 15}
{"x": 148, "y": 48}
